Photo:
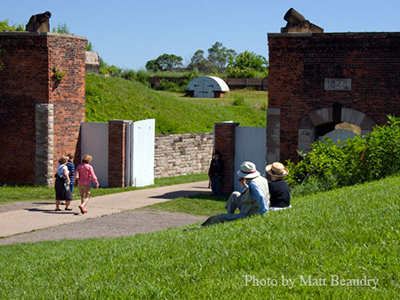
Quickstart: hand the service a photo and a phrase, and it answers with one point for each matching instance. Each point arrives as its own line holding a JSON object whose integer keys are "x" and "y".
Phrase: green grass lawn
{"x": 253, "y": 98}
{"x": 328, "y": 246}
{"x": 117, "y": 98}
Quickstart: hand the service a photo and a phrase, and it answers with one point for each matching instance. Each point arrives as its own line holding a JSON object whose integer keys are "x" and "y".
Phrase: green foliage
{"x": 112, "y": 70}
{"x": 171, "y": 86}
{"x": 4, "y": 25}
{"x": 58, "y": 75}
{"x": 354, "y": 161}
{"x": 61, "y": 28}
{"x": 238, "y": 100}
{"x": 117, "y": 98}
{"x": 351, "y": 233}
{"x": 219, "y": 55}
{"x": 89, "y": 47}
{"x": 247, "y": 65}
{"x": 165, "y": 62}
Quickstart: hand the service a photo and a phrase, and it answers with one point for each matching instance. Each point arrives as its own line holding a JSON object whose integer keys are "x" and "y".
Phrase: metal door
{"x": 95, "y": 143}
{"x": 140, "y": 137}
{"x": 250, "y": 145}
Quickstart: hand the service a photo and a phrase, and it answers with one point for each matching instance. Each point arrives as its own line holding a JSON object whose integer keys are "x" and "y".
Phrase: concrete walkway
{"x": 43, "y": 216}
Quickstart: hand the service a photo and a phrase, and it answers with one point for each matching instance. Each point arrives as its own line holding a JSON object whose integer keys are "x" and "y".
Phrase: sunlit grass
{"x": 346, "y": 234}
{"x": 117, "y": 98}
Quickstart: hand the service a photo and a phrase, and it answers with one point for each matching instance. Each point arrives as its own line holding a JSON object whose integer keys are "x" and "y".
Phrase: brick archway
{"x": 307, "y": 126}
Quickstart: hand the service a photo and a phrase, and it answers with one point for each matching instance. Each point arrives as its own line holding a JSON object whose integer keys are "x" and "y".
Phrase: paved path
{"x": 42, "y": 216}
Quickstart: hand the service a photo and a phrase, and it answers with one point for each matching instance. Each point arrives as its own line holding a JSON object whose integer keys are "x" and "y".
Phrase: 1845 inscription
{"x": 337, "y": 84}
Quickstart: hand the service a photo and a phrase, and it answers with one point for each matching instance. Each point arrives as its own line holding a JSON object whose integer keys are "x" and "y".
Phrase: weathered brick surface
{"x": 181, "y": 154}
{"x": 225, "y": 144}
{"x": 26, "y": 80}
{"x": 116, "y": 152}
{"x": 299, "y": 64}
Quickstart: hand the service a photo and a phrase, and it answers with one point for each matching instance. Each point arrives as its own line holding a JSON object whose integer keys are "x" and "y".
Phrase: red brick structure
{"x": 224, "y": 139}
{"x": 40, "y": 116}
{"x": 116, "y": 152}
{"x": 318, "y": 80}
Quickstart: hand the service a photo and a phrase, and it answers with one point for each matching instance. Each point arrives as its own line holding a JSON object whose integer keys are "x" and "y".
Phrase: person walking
{"x": 84, "y": 175}
{"x": 63, "y": 192}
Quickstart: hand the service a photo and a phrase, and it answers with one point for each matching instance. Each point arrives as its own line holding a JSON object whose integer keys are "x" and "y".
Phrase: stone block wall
{"x": 181, "y": 154}
{"x": 29, "y": 93}
{"x": 363, "y": 70}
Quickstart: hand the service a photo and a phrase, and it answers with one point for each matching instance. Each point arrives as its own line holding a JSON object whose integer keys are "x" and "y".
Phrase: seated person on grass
{"x": 254, "y": 199}
{"x": 278, "y": 188}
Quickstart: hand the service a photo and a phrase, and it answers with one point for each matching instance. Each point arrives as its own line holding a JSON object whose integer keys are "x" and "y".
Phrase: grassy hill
{"x": 117, "y": 98}
{"x": 342, "y": 244}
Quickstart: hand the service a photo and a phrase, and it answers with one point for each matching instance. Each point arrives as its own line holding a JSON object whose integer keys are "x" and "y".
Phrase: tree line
{"x": 219, "y": 60}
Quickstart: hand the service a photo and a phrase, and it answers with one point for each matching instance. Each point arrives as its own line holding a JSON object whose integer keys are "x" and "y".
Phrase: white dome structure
{"x": 207, "y": 87}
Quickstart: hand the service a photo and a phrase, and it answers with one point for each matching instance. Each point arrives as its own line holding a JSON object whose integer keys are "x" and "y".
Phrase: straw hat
{"x": 248, "y": 170}
{"x": 277, "y": 169}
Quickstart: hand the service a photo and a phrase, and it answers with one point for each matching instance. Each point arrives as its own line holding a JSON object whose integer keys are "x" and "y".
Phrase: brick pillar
{"x": 224, "y": 142}
{"x": 116, "y": 152}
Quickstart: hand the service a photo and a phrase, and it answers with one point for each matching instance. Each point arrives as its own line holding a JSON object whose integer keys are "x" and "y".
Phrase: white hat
{"x": 248, "y": 170}
{"x": 277, "y": 169}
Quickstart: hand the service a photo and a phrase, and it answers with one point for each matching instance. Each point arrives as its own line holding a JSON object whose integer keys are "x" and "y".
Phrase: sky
{"x": 128, "y": 33}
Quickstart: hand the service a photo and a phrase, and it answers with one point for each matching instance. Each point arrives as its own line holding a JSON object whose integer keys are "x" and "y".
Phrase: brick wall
{"x": 181, "y": 154}
{"x": 225, "y": 144}
{"x": 26, "y": 81}
{"x": 116, "y": 152}
{"x": 300, "y": 63}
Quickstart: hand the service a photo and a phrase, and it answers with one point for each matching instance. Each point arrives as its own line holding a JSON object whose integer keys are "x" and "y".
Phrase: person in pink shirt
{"x": 85, "y": 174}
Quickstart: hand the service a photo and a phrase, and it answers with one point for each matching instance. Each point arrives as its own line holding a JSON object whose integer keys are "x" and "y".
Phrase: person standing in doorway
{"x": 216, "y": 172}
{"x": 84, "y": 175}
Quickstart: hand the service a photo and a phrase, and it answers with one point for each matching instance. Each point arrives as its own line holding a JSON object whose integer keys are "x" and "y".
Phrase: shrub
{"x": 375, "y": 156}
{"x": 238, "y": 100}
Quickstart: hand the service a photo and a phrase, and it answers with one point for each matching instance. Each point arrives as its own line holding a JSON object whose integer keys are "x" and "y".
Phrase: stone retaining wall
{"x": 182, "y": 154}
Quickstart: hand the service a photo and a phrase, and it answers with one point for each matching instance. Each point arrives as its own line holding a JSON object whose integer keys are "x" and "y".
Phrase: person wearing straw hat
{"x": 278, "y": 188}
{"x": 254, "y": 199}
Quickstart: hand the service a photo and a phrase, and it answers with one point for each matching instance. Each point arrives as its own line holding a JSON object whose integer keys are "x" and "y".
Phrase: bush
{"x": 238, "y": 100}
{"x": 354, "y": 161}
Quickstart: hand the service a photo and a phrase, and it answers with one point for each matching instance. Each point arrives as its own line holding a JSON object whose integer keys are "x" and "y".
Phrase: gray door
{"x": 250, "y": 145}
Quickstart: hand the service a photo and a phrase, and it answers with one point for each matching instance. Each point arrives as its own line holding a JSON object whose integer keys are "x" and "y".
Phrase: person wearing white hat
{"x": 278, "y": 188}
{"x": 253, "y": 200}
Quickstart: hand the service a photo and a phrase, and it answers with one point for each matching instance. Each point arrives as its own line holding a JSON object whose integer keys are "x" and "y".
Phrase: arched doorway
{"x": 325, "y": 121}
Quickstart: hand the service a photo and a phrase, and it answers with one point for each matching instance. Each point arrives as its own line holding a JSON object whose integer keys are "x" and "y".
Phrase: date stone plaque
{"x": 337, "y": 84}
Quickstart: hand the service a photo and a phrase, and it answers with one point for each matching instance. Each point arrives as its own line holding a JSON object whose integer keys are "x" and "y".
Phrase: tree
{"x": 165, "y": 62}
{"x": 219, "y": 55}
{"x": 246, "y": 65}
{"x": 5, "y": 26}
{"x": 249, "y": 59}
{"x": 200, "y": 63}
